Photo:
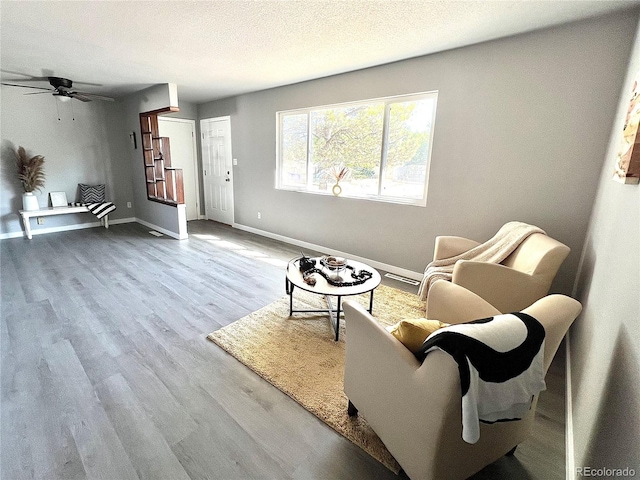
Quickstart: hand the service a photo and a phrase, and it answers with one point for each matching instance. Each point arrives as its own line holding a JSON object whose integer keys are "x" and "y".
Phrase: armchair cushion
{"x": 452, "y": 303}
{"x": 413, "y": 332}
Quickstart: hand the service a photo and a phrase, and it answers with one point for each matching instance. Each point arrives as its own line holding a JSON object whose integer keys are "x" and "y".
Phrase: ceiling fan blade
{"x": 87, "y": 83}
{"x": 37, "y": 93}
{"x": 26, "y": 86}
{"x": 80, "y": 97}
{"x": 92, "y": 96}
{"x": 30, "y": 79}
{"x": 24, "y": 77}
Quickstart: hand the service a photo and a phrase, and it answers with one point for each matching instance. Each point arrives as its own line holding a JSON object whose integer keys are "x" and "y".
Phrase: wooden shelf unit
{"x": 165, "y": 183}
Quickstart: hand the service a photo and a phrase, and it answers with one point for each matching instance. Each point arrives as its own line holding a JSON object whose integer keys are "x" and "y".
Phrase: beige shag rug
{"x": 299, "y": 356}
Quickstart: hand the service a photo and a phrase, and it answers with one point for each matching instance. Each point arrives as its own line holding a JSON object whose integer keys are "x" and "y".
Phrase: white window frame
{"x": 388, "y": 101}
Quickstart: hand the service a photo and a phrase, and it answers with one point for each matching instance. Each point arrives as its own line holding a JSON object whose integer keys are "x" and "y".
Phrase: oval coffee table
{"x": 323, "y": 287}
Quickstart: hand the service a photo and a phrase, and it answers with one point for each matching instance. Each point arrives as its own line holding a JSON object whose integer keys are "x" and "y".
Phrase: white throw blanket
{"x": 495, "y": 250}
{"x": 501, "y": 365}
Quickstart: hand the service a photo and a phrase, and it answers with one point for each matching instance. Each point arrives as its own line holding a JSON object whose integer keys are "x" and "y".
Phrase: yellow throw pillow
{"x": 413, "y": 332}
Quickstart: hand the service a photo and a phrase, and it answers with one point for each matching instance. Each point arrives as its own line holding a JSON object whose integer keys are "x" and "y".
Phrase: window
{"x": 385, "y": 144}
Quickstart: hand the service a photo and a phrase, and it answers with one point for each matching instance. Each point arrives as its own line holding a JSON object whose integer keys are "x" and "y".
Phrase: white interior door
{"x": 217, "y": 169}
{"x": 182, "y": 141}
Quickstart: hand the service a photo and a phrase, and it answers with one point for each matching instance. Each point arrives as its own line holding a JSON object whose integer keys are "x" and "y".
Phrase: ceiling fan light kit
{"x": 62, "y": 98}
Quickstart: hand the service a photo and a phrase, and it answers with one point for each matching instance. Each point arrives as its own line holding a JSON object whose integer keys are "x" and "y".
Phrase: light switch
{"x": 235, "y": 161}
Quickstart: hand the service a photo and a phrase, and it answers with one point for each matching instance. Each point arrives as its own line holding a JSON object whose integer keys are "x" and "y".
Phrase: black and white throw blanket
{"x": 501, "y": 364}
{"x": 99, "y": 209}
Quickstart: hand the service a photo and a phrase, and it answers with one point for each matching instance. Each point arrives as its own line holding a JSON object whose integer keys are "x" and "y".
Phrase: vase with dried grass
{"x": 31, "y": 174}
{"x": 339, "y": 173}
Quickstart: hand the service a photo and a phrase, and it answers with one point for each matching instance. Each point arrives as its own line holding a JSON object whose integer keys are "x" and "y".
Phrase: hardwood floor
{"x": 106, "y": 372}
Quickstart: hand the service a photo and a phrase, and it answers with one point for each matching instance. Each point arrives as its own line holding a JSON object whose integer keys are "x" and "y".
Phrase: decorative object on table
{"x": 307, "y": 267}
{"x": 31, "y": 174}
{"x": 627, "y": 169}
{"x": 306, "y": 263}
{"x": 309, "y": 279}
{"x": 339, "y": 173}
{"x": 335, "y": 265}
{"x": 58, "y": 199}
{"x": 269, "y": 342}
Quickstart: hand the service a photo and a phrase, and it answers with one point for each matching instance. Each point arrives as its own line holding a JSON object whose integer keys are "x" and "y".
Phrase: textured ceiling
{"x": 214, "y": 49}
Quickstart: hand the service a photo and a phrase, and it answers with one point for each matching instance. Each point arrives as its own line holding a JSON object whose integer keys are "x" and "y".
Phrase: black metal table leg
{"x": 289, "y": 289}
{"x": 339, "y": 307}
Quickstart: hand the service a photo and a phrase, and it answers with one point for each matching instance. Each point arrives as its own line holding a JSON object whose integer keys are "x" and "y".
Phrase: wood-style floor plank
{"x": 102, "y": 453}
{"x": 148, "y": 450}
{"x": 106, "y": 371}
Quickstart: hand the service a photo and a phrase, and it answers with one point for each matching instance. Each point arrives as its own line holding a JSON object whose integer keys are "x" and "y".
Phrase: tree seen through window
{"x": 385, "y": 145}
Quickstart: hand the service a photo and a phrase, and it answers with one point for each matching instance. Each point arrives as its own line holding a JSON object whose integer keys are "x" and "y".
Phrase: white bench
{"x": 45, "y": 212}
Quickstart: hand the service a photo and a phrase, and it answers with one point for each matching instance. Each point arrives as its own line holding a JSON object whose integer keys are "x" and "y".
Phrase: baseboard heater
{"x": 402, "y": 279}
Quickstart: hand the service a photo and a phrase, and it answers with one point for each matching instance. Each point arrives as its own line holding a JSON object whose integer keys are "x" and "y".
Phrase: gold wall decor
{"x": 627, "y": 168}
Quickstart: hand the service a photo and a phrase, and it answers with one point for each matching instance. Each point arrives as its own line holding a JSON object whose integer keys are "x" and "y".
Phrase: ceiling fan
{"x": 63, "y": 90}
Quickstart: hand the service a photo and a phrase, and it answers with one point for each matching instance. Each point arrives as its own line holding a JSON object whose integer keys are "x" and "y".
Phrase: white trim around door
{"x": 192, "y": 181}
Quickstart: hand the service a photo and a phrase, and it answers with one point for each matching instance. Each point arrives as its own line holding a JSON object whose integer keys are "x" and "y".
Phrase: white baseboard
{"x": 382, "y": 266}
{"x": 122, "y": 220}
{"x": 169, "y": 233}
{"x": 570, "y": 460}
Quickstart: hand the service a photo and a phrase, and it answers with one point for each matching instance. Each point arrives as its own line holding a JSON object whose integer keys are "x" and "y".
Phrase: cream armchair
{"x": 415, "y": 408}
{"x": 522, "y": 278}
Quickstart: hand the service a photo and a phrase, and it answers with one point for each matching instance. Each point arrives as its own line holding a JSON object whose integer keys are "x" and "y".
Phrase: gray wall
{"x": 521, "y": 129}
{"x": 605, "y": 340}
{"x": 90, "y": 149}
{"x": 165, "y": 217}
{"x": 94, "y": 148}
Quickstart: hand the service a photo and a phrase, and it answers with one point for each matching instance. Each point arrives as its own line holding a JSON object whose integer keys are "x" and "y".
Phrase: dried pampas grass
{"x": 30, "y": 171}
